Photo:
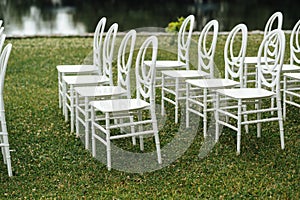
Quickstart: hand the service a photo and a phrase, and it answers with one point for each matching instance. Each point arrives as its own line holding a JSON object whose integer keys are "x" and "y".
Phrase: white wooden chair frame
{"x": 246, "y": 96}
{"x": 96, "y": 67}
{"x": 125, "y": 108}
{"x": 70, "y": 82}
{"x": 173, "y": 81}
{"x": 200, "y": 94}
{"x": 85, "y": 94}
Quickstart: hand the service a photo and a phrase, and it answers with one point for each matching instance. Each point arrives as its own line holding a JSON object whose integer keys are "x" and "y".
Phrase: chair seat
{"x": 213, "y": 83}
{"x": 84, "y": 79}
{"x": 103, "y": 91}
{"x": 185, "y": 73}
{"x": 293, "y": 75}
{"x": 254, "y": 59}
{"x": 288, "y": 67}
{"x": 246, "y": 93}
{"x": 166, "y": 64}
{"x": 119, "y": 105}
{"x": 76, "y": 68}
{"x": 285, "y": 68}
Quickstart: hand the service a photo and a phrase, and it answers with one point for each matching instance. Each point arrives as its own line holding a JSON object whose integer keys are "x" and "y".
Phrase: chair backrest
{"x": 97, "y": 45}
{"x": 184, "y": 39}
{"x": 295, "y": 45}
{"x": 124, "y": 60}
{"x": 2, "y": 40}
{"x": 1, "y": 30}
{"x": 269, "y": 75}
{"x": 271, "y": 25}
{"x": 206, "y": 53}
{"x": 3, "y": 64}
{"x": 108, "y": 51}
{"x": 277, "y": 16}
{"x": 145, "y": 75}
{"x": 234, "y": 53}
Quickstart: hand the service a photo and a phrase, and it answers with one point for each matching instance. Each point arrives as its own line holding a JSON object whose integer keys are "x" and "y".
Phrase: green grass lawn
{"x": 50, "y": 162}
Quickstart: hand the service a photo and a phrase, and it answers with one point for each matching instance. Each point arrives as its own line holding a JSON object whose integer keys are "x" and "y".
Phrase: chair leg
{"x": 72, "y": 107}
{"x": 140, "y": 130}
{"x": 246, "y": 118}
{"x": 239, "y": 127}
{"x": 273, "y": 98}
{"x": 77, "y": 114}
{"x": 217, "y": 118}
{"x": 59, "y": 91}
{"x": 280, "y": 120}
{"x": 205, "y": 112}
{"x": 258, "y": 126}
{"x": 108, "y": 146}
{"x": 132, "y": 129}
{"x": 2, "y": 148}
{"x": 284, "y": 97}
{"x": 65, "y": 110}
{"x": 162, "y": 95}
{"x": 176, "y": 99}
{"x": 187, "y": 115}
{"x": 8, "y": 161}
{"x": 156, "y": 136}
{"x": 86, "y": 122}
{"x": 7, "y": 158}
{"x": 93, "y": 131}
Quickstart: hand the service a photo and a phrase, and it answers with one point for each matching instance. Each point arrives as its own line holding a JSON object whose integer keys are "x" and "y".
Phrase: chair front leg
{"x": 93, "y": 131}
{"x": 246, "y": 118}
{"x": 59, "y": 90}
{"x": 156, "y": 136}
{"x": 205, "y": 112}
{"x": 217, "y": 117}
{"x": 284, "y": 96}
{"x": 162, "y": 95}
{"x": 108, "y": 145}
{"x": 72, "y": 107}
{"x": 139, "y": 115}
{"x": 77, "y": 113}
{"x": 258, "y": 125}
{"x": 239, "y": 127}
{"x": 176, "y": 99}
{"x": 187, "y": 116}
{"x": 65, "y": 90}
{"x": 280, "y": 120}
{"x": 86, "y": 122}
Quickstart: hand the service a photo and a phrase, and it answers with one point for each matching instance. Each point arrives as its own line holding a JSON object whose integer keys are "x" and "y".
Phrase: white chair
{"x": 291, "y": 89}
{"x": 4, "y": 144}
{"x": 274, "y": 22}
{"x": 173, "y": 81}
{"x": 183, "y": 47}
{"x": 127, "y": 108}
{"x": 96, "y": 67}
{"x": 85, "y": 94}
{"x": 246, "y": 96}
{"x": 70, "y": 82}
{"x": 200, "y": 93}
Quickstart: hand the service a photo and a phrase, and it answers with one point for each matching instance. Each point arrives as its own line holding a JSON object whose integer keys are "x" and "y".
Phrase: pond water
{"x": 67, "y": 17}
